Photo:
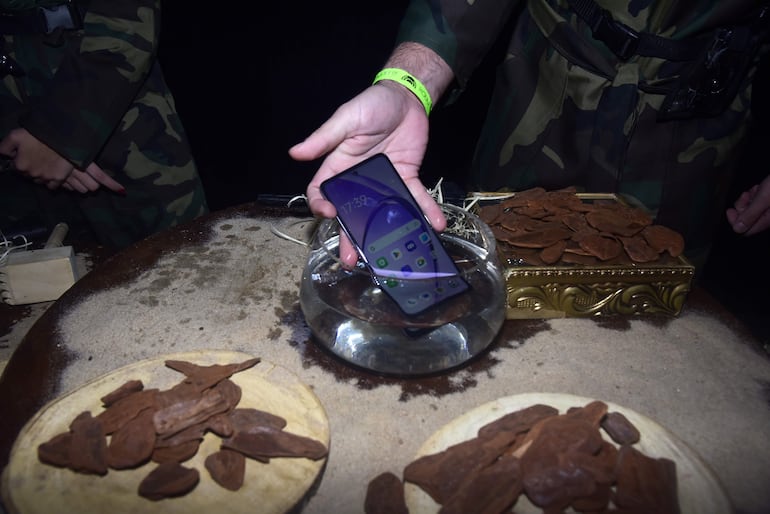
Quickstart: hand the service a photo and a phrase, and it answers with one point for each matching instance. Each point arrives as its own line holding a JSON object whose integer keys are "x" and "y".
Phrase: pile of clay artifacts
{"x": 139, "y": 425}
{"x": 539, "y": 227}
{"x": 559, "y": 461}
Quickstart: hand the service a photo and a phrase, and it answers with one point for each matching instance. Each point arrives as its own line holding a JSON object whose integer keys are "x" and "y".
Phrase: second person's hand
{"x": 751, "y": 212}
{"x": 91, "y": 179}
{"x": 40, "y": 163}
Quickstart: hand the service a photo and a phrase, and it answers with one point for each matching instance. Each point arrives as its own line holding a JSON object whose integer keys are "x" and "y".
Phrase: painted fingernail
{"x": 122, "y": 191}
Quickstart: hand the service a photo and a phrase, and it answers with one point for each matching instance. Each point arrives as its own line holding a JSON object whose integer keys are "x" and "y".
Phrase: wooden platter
{"x": 699, "y": 490}
{"x": 30, "y": 487}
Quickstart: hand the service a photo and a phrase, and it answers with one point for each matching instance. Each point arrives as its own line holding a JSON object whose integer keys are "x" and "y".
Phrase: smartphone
{"x": 393, "y": 237}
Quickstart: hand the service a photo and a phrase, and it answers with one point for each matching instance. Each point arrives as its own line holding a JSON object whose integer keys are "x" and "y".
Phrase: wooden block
{"x": 37, "y": 275}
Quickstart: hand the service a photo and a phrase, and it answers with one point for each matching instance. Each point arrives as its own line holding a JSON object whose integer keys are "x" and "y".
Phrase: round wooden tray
{"x": 30, "y": 487}
{"x": 699, "y": 490}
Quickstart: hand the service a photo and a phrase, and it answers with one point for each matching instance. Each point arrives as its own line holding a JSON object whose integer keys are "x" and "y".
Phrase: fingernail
{"x": 740, "y": 227}
{"x": 122, "y": 191}
{"x": 349, "y": 257}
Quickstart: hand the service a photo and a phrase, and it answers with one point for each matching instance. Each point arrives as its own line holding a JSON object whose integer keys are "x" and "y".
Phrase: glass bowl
{"x": 354, "y": 319}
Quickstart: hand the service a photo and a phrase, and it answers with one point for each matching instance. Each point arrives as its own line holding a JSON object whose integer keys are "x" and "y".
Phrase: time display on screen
{"x": 354, "y": 203}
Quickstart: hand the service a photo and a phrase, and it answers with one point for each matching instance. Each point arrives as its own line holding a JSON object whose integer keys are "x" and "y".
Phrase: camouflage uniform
{"x": 98, "y": 95}
{"x": 567, "y": 111}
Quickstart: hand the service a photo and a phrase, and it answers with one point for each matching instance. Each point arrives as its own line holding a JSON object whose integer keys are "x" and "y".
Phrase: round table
{"x": 228, "y": 281}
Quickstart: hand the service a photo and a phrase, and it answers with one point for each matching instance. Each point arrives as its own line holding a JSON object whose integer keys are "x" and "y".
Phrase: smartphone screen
{"x": 392, "y": 235}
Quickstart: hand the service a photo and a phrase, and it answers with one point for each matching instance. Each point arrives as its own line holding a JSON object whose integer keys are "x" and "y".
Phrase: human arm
{"x": 384, "y": 118}
{"x": 436, "y": 42}
{"x": 35, "y": 160}
{"x": 751, "y": 212}
{"x": 101, "y": 70}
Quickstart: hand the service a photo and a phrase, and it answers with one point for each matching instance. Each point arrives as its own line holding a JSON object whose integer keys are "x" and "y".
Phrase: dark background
{"x": 251, "y": 81}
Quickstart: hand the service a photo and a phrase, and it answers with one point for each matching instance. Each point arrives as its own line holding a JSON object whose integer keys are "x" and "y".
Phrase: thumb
{"x": 326, "y": 137}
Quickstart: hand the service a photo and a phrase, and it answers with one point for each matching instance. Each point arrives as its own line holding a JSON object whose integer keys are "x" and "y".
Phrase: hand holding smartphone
{"x": 394, "y": 239}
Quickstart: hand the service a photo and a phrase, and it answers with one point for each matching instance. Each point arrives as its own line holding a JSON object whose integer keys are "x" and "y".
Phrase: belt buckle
{"x": 620, "y": 38}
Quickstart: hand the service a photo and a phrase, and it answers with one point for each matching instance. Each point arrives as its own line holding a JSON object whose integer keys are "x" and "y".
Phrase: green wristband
{"x": 408, "y": 81}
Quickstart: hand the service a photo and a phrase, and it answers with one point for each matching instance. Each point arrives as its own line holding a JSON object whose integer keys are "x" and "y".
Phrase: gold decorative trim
{"x": 584, "y": 292}
{"x": 561, "y": 291}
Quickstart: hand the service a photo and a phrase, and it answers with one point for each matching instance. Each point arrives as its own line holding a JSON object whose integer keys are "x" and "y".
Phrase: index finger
{"x": 98, "y": 174}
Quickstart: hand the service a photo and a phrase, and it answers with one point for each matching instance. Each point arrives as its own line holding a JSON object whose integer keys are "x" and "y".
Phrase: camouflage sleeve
{"x": 97, "y": 79}
{"x": 460, "y": 31}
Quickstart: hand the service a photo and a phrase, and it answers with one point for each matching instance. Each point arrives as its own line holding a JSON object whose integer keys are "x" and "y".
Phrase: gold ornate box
{"x": 556, "y": 292}
{"x": 602, "y": 289}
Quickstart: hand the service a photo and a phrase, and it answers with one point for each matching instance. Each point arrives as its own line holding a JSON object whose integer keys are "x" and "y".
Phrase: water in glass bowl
{"x": 354, "y": 319}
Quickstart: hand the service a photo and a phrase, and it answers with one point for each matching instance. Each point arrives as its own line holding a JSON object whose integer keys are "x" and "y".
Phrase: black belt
{"x": 42, "y": 20}
{"x": 715, "y": 64}
{"x": 625, "y": 42}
